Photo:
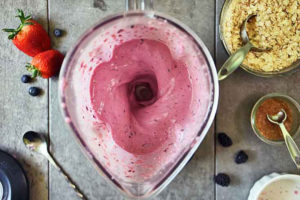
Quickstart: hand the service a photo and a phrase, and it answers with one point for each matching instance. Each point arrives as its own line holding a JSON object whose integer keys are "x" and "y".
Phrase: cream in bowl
{"x": 276, "y": 187}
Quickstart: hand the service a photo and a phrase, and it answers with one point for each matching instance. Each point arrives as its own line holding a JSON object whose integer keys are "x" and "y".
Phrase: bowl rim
{"x": 253, "y": 117}
{"x": 277, "y": 178}
{"x": 286, "y": 71}
{"x": 203, "y": 130}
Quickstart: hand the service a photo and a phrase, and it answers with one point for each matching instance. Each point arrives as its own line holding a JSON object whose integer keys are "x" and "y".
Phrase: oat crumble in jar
{"x": 277, "y": 25}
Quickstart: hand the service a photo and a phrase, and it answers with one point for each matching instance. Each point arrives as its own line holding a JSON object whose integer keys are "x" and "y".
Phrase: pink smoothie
{"x": 142, "y": 94}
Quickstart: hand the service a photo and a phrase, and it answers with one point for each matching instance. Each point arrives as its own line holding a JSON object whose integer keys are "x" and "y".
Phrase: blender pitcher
{"x": 137, "y": 167}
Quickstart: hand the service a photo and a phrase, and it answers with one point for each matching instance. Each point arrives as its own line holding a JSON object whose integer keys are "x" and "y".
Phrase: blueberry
{"x": 34, "y": 91}
{"x": 57, "y": 32}
{"x": 224, "y": 140}
{"x": 241, "y": 157}
{"x": 25, "y": 78}
{"x": 222, "y": 179}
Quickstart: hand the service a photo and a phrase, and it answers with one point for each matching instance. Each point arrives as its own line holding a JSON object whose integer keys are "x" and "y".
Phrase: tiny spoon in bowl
{"x": 37, "y": 142}
{"x": 237, "y": 58}
{"x": 279, "y": 119}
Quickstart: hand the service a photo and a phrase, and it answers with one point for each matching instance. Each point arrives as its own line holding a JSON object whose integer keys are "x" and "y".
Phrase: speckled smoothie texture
{"x": 136, "y": 128}
{"x": 139, "y": 142}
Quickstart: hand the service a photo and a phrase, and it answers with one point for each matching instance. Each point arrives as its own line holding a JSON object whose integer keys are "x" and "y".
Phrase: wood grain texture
{"x": 64, "y": 148}
{"x": 19, "y": 112}
{"x": 238, "y": 94}
{"x": 195, "y": 181}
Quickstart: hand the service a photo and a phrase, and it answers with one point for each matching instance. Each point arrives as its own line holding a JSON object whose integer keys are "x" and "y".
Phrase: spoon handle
{"x": 67, "y": 177}
{"x": 291, "y": 145}
{"x": 234, "y": 61}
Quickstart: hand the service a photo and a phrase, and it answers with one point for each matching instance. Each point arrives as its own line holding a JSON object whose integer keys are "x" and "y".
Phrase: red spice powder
{"x": 266, "y": 128}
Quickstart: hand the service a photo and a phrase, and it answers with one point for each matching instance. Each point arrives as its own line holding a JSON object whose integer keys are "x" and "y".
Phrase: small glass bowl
{"x": 295, "y": 108}
{"x": 286, "y": 71}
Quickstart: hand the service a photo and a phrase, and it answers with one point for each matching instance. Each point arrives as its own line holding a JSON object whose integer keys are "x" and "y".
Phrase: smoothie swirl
{"x": 142, "y": 94}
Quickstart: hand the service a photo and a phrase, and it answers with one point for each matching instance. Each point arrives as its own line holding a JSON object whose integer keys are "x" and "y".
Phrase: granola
{"x": 277, "y": 25}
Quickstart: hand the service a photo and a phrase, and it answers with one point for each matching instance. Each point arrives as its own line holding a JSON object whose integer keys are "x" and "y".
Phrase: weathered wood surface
{"x": 19, "y": 112}
{"x": 195, "y": 181}
{"x": 238, "y": 94}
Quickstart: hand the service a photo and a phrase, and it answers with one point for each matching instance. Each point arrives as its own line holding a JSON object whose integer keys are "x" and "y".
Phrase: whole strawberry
{"x": 46, "y": 64}
{"x": 30, "y": 37}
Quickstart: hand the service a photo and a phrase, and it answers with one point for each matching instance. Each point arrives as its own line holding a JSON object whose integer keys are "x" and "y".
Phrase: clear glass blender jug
{"x": 137, "y": 176}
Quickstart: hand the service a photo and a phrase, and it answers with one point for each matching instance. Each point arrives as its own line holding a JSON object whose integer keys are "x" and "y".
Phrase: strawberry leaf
{"x": 8, "y": 30}
{"x": 28, "y": 23}
{"x": 20, "y": 13}
{"x": 24, "y": 22}
{"x": 28, "y": 18}
{"x": 11, "y": 36}
{"x": 31, "y": 68}
{"x": 35, "y": 73}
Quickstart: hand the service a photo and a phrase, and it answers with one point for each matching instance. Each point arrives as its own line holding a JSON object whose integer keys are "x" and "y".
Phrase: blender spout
{"x": 139, "y": 5}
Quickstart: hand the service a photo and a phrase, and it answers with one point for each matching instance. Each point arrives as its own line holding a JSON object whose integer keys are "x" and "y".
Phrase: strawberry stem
{"x": 24, "y": 22}
{"x": 31, "y": 68}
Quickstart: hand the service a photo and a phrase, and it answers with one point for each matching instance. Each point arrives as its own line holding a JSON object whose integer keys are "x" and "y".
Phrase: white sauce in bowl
{"x": 282, "y": 189}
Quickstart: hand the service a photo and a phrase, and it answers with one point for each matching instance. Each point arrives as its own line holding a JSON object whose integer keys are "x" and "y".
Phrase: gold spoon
{"x": 37, "y": 142}
{"x": 279, "y": 119}
{"x": 237, "y": 58}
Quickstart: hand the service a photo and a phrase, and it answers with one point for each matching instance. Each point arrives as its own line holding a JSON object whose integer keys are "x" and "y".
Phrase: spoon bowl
{"x": 244, "y": 34}
{"x": 279, "y": 118}
{"x": 245, "y": 37}
{"x": 35, "y": 142}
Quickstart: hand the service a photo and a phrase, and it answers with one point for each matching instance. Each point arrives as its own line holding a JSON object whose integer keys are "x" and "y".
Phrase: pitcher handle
{"x": 139, "y": 5}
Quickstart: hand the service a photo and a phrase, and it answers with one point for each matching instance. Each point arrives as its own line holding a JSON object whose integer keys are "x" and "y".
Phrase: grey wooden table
{"x": 20, "y": 112}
